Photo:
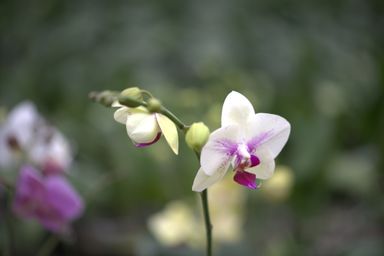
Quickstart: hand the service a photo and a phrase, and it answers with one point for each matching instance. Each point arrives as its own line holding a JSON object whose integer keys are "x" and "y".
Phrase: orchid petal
{"x": 116, "y": 104}
{"x": 203, "y": 181}
{"x": 121, "y": 115}
{"x": 265, "y": 169}
{"x": 29, "y": 190}
{"x": 268, "y": 130}
{"x": 142, "y": 128}
{"x": 169, "y": 129}
{"x": 21, "y": 123}
{"x": 123, "y": 112}
{"x": 63, "y": 197}
{"x": 219, "y": 150}
{"x": 142, "y": 145}
{"x": 236, "y": 110}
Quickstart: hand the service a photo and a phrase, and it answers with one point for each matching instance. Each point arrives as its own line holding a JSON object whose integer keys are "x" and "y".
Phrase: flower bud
{"x": 105, "y": 98}
{"x": 154, "y": 105}
{"x": 197, "y": 135}
{"x": 129, "y": 102}
{"x": 133, "y": 93}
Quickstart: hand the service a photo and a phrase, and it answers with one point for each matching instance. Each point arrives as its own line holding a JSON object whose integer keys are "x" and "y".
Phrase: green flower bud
{"x": 129, "y": 102}
{"x": 132, "y": 92}
{"x": 154, "y": 105}
{"x": 105, "y": 98}
{"x": 197, "y": 135}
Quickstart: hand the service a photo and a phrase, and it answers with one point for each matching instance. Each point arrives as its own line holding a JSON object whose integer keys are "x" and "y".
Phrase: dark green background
{"x": 320, "y": 64}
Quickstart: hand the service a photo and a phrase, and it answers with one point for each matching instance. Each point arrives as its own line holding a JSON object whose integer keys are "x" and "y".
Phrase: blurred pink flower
{"x": 248, "y": 141}
{"x": 50, "y": 200}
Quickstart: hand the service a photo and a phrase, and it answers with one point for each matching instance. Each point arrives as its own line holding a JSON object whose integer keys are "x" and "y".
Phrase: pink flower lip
{"x": 142, "y": 145}
{"x": 245, "y": 179}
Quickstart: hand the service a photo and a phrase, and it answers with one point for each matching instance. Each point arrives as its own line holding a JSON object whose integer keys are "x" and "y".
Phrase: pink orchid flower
{"x": 50, "y": 200}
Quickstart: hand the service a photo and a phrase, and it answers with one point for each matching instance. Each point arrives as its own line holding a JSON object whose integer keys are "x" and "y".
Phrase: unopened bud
{"x": 105, "y": 98}
{"x": 133, "y": 93}
{"x": 129, "y": 102}
{"x": 197, "y": 135}
{"x": 154, "y": 105}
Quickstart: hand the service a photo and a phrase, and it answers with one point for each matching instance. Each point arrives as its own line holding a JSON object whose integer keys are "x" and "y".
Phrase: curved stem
{"x": 174, "y": 118}
{"x": 208, "y": 225}
{"x": 129, "y": 102}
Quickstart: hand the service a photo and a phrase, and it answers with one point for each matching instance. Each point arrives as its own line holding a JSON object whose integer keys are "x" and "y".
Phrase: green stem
{"x": 208, "y": 225}
{"x": 207, "y": 218}
{"x": 129, "y": 102}
{"x": 48, "y": 246}
{"x": 7, "y": 245}
{"x": 174, "y": 118}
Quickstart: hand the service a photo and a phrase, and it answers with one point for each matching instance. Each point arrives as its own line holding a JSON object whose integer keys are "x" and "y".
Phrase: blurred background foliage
{"x": 320, "y": 64}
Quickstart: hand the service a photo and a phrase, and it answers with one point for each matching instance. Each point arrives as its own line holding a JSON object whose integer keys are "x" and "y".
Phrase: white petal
{"x": 121, "y": 115}
{"x": 236, "y": 109}
{"x": 142, "y": 128}
{"x": 169, "y": 130}
{"x": 266, "y": 167}
{"x": 271, "y": 131}
{"x": 203, "y": 181}
{"x": 219, "y": 150}
{"x": 56, "y": 149}
{"x": 22, "y": 123}
{"x": 116, "y": 104}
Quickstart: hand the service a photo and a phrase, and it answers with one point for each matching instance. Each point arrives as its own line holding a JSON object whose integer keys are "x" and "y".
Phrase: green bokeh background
{"x": 320, "y": 64}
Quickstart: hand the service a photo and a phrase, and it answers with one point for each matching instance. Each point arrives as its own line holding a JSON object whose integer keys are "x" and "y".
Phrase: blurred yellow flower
{"x": 175, "y": 225}
{"x": 179, "y": 223}
{"x": 279, "y": 187}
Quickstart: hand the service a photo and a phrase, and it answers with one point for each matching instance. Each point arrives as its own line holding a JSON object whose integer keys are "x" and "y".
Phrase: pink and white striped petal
{"x": 219, "y": 150}
{"x": 268, "y": 130}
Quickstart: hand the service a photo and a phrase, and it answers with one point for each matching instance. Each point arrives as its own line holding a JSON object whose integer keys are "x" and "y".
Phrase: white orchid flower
{"x": 51, "y": 151}
{"x": 18, "y": 132}
{"x": 249, "y": 142}
{"x": 145, "y": 128}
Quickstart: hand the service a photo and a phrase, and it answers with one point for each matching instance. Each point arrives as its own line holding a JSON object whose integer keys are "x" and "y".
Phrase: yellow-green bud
{"x": 154, "y": 105}
{"x": 132, "y": 92}
{"x": 197, "y": 135}
{"x": 129, "y": 102}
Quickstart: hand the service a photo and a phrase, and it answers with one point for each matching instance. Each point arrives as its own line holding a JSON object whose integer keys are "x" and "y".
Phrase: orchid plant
{"x": 43, "y": 156}
{"x": 247, "y": 142}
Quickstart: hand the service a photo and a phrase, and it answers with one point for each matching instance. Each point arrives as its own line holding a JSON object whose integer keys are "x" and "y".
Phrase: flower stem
{"x": 48, "y": 246}
{"x": 174, "y": 118}
{"x": 163, "y": 110}
{"x": 208, "y": 225}
{"x": 7, "y": 241}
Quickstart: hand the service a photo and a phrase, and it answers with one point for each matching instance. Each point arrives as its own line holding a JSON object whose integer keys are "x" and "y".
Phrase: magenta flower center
{"x": 245, "y": 159}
